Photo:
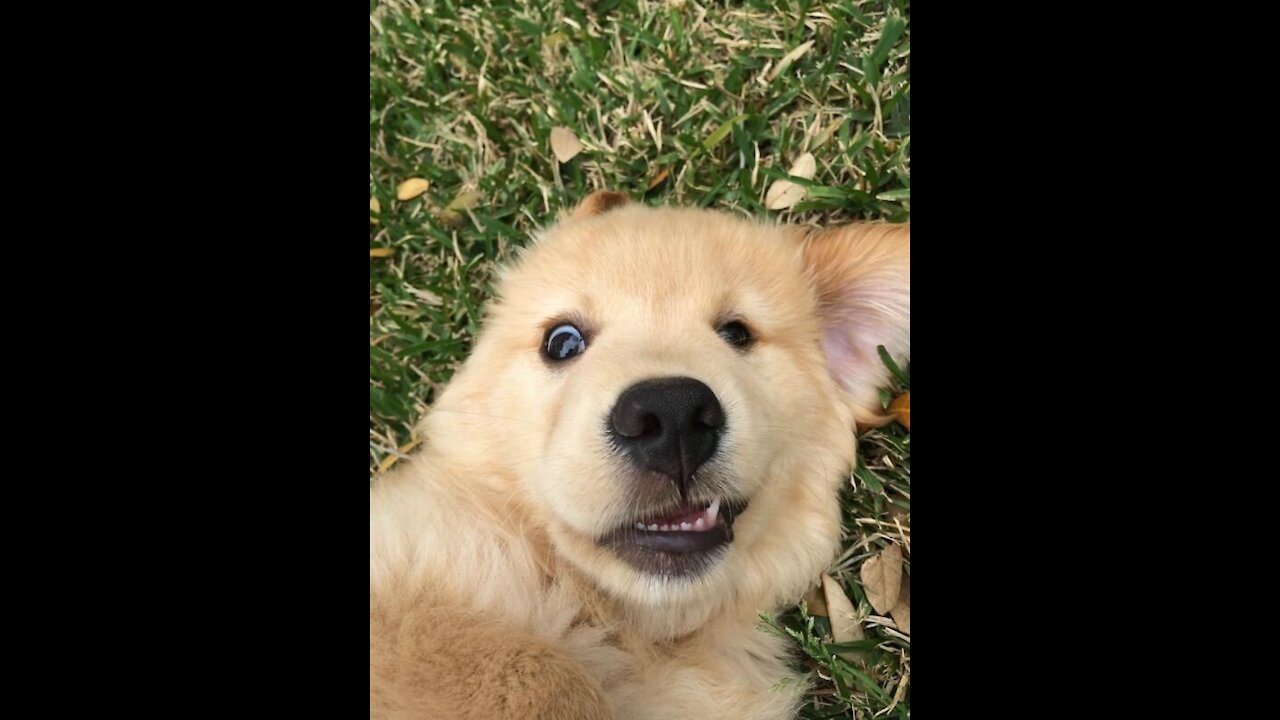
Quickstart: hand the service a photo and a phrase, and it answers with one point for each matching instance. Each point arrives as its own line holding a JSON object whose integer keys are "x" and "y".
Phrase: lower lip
{"x": 675, "y": 553}
{"x": 671, "y": 554}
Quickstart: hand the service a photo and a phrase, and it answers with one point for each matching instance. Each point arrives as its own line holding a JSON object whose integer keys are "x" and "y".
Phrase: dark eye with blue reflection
{"x": 563, "y": 342}
{"x": 736, "y": 334}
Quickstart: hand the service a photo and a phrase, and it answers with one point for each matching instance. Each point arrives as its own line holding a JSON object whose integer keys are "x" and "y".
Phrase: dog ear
{"x": 600, "y": 201}
{"x": 862, "y": 275}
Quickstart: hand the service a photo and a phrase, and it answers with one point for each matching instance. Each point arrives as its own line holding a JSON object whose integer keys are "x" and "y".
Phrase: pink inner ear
{"x": 865, "y": 317}
{"x": 840, "y": 357}
{"x": 862, "y": 274}
{"x": 850, "y": 344}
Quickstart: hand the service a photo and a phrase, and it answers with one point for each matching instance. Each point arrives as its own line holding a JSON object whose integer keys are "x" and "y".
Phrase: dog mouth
{"x": 678, "y": 541}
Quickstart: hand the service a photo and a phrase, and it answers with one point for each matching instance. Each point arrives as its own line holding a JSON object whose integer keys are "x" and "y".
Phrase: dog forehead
{"x": 660, "y": 255}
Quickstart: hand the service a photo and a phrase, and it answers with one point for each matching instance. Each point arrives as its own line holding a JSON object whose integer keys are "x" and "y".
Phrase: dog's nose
{"x": 668, "y": 425}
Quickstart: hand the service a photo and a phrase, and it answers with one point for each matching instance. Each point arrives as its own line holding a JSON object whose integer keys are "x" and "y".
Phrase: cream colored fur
{"x": 488, "y": 594}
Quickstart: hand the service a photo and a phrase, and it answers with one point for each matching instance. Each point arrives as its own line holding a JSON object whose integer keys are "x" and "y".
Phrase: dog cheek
{"x": 572, "y": 479}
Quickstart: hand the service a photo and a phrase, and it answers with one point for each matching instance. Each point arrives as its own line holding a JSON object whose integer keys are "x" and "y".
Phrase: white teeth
{"x": 712, "y": 513}
{"x": 706, "y": 520}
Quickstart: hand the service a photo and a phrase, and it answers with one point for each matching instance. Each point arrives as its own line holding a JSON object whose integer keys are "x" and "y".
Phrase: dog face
{"x": 670, "y": 395}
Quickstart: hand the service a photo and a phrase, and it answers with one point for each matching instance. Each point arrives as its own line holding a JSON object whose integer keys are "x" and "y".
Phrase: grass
{"x": 675, "y": 102}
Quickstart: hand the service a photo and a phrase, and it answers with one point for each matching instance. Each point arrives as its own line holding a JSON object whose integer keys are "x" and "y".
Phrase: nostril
{"x": 631, "y": 421}
{"x": 710, "y": 415}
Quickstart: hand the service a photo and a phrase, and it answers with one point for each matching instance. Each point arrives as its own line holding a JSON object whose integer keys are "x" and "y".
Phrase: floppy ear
{"x": 862, "y": 274}
{"x": 598, "y": 202}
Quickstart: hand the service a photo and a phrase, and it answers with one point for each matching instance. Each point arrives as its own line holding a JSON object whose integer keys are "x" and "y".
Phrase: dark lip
{"x": 675, "y": 553}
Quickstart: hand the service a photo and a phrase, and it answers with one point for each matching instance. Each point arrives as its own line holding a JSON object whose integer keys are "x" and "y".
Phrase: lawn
{"x": 672, "y": 102}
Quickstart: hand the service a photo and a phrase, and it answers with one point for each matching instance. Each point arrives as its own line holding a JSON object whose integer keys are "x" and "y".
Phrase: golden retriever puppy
{"x": 642, "y": 454}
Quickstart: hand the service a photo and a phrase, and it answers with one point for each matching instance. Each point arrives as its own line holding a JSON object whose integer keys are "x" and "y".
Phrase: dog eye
{"x": 563, "y": 342}
{"x": 735, "y": 333}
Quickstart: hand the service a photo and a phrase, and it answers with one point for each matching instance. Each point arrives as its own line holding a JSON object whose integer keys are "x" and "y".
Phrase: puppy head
{"x": 671, "y": 395}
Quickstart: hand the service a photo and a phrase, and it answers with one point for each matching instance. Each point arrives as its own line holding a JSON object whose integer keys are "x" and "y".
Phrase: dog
{"x": 642, "y": 454}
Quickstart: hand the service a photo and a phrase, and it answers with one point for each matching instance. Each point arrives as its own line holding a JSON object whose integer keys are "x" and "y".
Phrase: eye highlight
{"x": 563, "y": 342}
{"x": 736, "y": 334}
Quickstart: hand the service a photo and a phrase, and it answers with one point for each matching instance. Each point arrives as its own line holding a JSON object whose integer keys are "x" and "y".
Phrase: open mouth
{"x": 680, "y": 540}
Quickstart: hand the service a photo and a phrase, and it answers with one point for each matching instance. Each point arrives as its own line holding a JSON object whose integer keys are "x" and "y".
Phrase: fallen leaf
{"x": 804, "y": 166}
{"x": 901, "y": 409}
{"x": 411, "y": 188}
{"x": 902, "y": 611}
{"x": 464, "y": 200}
{"x": 784, "y": 193}
{"x": 658, "y": 178}
{"x": 882, "y": 578}
{"x": 789, "y": 58}
{"x": 381, "y": 252}
{"x": 375, "y": 207}
{"x": 564, "y": 144}
{"x": 815, "y": 602}
{"x": 844, "y": 619}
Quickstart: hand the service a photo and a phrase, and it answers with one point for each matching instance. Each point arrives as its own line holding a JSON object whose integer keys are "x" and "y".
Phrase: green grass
{"x": 465, "y": 95}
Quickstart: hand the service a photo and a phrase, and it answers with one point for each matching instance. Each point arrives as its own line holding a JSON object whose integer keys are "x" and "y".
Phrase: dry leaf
{"x": 564, "y": 144}
{"x": 411, "y": 188}
{"x": 784, "y": 193}
{"x": 464, "y": 200}
{"x": 844, "y": 619}
{"x": 902, "y": 611}
{"x": 815, "y": 602}
{"x": 789, "y": 58}
{"x": 901, "y": 409}
{"x": 657, "y": 179}
{"x": 882, "y": 578}
{"x": 804, "y": 166}
{"x": 375, "y": 207}
{"x": 381, "y": 252}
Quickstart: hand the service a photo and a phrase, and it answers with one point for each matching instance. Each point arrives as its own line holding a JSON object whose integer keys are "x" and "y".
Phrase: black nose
{"x": 669, "y": 425}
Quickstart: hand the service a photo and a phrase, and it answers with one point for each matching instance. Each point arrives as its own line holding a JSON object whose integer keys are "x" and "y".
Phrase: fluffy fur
{"x": 488, "y": 593}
